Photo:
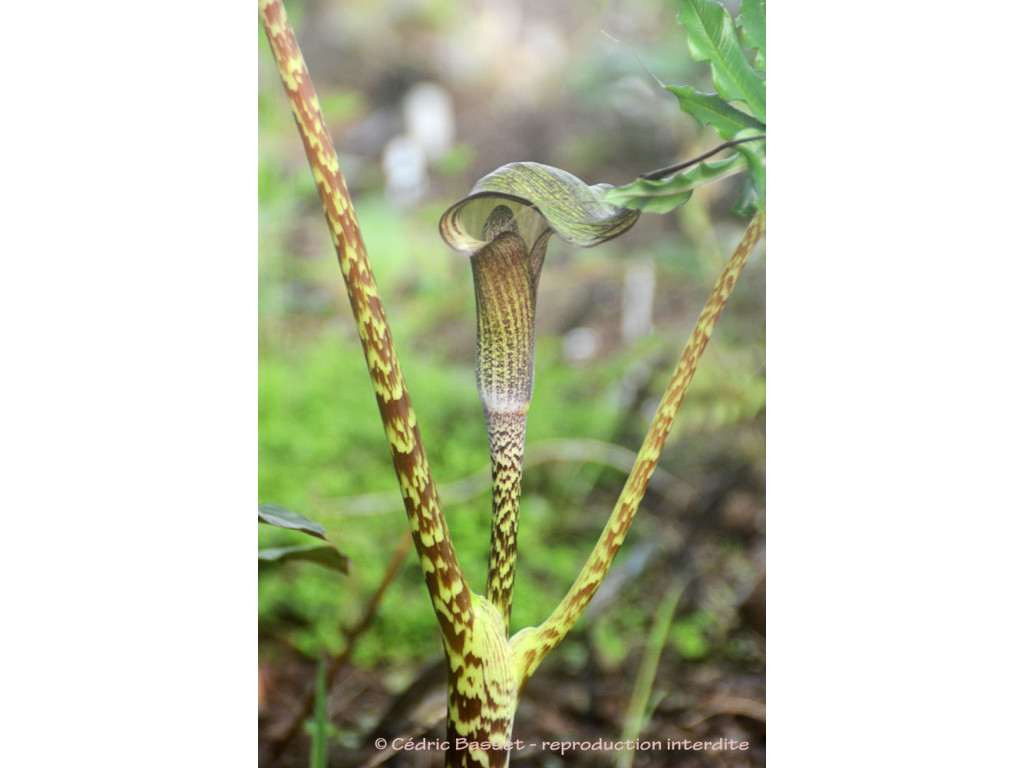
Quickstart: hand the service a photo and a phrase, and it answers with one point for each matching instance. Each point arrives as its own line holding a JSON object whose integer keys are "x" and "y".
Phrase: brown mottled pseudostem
{"x": 482, "y": 689}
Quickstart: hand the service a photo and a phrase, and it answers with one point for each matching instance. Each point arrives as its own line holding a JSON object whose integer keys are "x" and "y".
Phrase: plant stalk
{"x": 430, "y": 533}
{"x": 482, "y": 690}
{"x": 662, "y": 173}
{"x": 506, "y": 298}
{"x": 533, "y": 644}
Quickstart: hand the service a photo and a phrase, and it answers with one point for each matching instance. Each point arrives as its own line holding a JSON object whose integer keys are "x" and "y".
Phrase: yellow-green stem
{"x": 482, "y": 689}
{"x": 533, "y": 644}
{"x": 441, "y": 569}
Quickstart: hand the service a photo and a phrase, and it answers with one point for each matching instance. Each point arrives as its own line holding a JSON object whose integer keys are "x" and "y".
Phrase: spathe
{"x": 504, "y": 225}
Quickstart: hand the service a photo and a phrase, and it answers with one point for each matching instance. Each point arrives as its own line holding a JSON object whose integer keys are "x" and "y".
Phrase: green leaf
{"x": 667, "y": 194}
{"x": 712, "y": 38}
{"x": 709, "y": 109}
{"x": 271, "y": 514}
{"x": 326, "y": 556}
{"x": 754, "y": 154}
{"x": 746, "y": 204}
{"x": 752, "y": 28}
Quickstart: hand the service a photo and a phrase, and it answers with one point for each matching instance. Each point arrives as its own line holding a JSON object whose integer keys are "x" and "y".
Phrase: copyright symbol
{"x": 380, "y": 743}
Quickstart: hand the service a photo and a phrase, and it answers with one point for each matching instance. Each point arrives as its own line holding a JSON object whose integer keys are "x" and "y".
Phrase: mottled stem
{"x": 481, "y": 685}
{"x": 533, "y": 644}
{"x": 505, "y": 308}
{"x": 506, "y": 434}
{"x": 440, "y": 566}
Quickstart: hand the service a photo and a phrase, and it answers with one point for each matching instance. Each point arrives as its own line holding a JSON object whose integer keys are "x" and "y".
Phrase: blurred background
{"x": 423, "y": 97}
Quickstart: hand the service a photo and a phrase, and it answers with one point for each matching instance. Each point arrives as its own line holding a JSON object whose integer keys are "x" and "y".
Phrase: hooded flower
{"x": 504, "y": 225}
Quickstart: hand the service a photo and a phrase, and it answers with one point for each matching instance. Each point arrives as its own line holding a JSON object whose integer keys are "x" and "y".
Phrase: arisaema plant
{"x": 504, "y": 226}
